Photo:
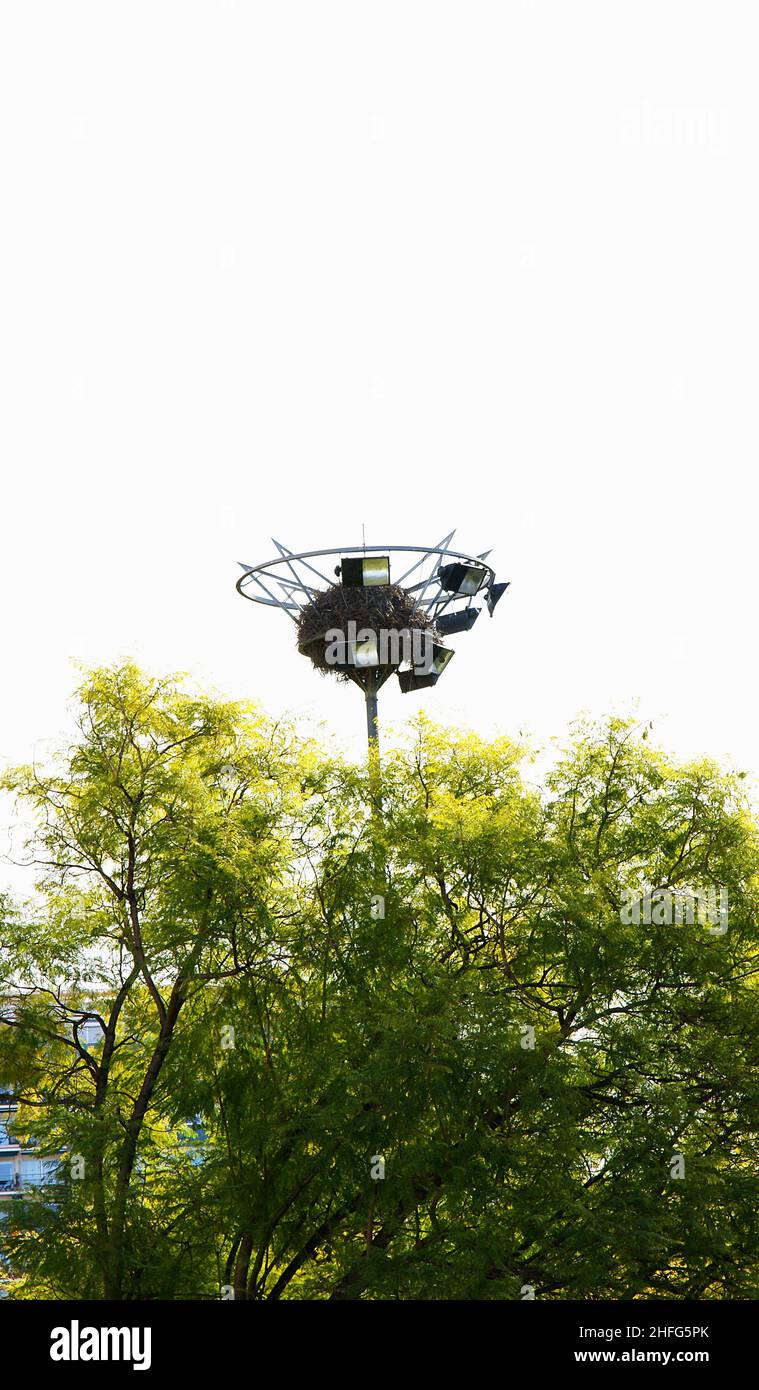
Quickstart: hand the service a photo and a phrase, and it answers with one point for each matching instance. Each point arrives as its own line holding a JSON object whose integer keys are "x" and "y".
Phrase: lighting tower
{"x": 359, "y": 623}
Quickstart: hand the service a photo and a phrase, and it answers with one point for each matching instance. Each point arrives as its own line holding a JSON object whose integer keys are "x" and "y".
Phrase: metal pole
{"x": 372, "y": 730}
{"x": 372, "y": 727}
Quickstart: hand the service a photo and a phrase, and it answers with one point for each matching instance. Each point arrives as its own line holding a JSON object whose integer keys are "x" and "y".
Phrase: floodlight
{"x": 462, "y": 579}
{"x": 347, "y": 651}
{"x": 494, "y": 593}
{"x": 463, "y": 621}
{"x": 361, "y": 572}
{"x": 420, "y": 679}
{"x": 364, "y": 653}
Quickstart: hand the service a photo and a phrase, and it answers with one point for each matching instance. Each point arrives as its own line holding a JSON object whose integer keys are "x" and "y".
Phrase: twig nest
{"x": 339, "y": 614}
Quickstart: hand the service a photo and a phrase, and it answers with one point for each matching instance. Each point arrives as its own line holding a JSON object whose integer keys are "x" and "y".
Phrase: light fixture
{"x": 416, "y": 680}
{"x": 362, "y": 572}
{"x": 462, "y": 621}
{"x": 363, "y": 654}
{"x": 494, "y": 593}
{"x": 462, "y": 579}
{"x": 343, "y": 651}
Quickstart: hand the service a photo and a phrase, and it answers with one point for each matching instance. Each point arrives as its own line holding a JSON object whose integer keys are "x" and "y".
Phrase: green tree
{"x": 453, "y": 992}
{"x": 162, "y": 843}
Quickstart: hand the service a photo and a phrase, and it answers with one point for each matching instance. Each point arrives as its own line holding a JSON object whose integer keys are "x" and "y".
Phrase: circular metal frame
{"x": 297, "y": 587}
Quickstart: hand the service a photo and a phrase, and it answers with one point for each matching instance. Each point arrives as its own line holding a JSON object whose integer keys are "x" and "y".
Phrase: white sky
{"x": 284, "y": 269}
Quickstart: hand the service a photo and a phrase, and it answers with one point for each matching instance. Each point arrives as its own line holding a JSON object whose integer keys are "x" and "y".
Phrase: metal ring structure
{"x": 295, "y": 574}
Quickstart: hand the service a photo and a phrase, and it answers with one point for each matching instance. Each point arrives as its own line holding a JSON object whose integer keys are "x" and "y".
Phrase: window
{"x": 7, "y": 1177}
{"x": 90, "y": 1034}
{"x": 36, "y": 1171}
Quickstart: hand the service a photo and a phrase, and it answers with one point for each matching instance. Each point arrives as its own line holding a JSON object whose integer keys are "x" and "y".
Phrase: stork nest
{"x": 381, "y": 607}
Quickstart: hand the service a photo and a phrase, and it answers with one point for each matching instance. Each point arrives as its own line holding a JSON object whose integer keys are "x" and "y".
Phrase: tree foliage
{"x": 297, "y": 990}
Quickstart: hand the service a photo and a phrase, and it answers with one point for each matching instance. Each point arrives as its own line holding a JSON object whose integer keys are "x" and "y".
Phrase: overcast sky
{"x": 290, "y": 269}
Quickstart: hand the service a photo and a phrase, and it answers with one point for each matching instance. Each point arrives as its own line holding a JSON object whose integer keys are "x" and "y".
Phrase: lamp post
{"x": 363, "y": 625}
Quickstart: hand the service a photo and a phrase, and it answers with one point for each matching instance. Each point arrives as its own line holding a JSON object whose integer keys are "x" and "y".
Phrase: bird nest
{"x": 383, "y": 609}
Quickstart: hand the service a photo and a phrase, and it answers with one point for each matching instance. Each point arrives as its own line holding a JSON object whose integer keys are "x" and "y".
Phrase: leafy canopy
{"x": 293, "y": 985}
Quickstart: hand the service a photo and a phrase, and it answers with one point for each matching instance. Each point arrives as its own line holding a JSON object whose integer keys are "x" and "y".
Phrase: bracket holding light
{"x": 432, "y": 597}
